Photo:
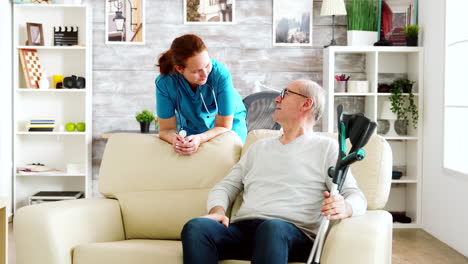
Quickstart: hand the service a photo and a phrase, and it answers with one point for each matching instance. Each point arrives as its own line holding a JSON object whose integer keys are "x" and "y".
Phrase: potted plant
{"x": 403, "y": 105}
{"x": 411, "y": 33}
{"x": 145, "y": 118}
{"x": 362, "y": 22}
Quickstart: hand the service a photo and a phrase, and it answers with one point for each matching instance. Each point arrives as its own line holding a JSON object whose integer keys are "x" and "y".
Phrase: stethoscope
{"x": 182, "y": 131}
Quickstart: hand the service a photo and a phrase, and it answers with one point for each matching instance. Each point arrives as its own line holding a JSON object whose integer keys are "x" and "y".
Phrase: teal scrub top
{"x": 193, "y": 116}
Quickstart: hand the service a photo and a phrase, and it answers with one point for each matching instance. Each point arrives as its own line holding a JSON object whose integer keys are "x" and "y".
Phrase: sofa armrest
{"x": 47, "y": 233}
{"x": 363, "y": 239}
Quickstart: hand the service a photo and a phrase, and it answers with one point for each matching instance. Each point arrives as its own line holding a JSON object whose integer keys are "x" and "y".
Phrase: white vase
{"x": 361, "y": 38}
{"x": 43, "y": 82}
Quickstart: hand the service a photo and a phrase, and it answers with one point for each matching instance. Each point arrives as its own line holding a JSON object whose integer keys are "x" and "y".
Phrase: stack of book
{"x": 41, "y": 124}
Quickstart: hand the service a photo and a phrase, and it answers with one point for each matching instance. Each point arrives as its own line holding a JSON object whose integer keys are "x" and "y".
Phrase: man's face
{"x": 289, "y": 103}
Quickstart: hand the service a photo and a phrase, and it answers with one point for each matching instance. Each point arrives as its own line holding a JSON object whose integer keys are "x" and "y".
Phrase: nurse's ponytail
{"x": 181, "y": 49}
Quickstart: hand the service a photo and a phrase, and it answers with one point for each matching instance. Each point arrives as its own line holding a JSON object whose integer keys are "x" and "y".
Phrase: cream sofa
{"x": 150, "y": 192}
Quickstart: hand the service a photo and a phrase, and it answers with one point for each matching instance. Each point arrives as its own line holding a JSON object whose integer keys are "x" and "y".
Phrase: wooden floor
{"x": 410, "y": 246}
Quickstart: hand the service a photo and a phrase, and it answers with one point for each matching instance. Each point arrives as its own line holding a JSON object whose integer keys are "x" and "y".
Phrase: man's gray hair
{"x": 317, "y": 93}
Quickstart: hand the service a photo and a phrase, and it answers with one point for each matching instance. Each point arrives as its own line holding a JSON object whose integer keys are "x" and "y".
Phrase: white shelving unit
{"x": 58, "y": 148}
{"x": 383, "y": 65}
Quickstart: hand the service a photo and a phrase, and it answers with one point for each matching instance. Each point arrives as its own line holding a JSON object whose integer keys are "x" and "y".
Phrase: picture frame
{"x": 300, "y": 12}
{"x": 393, "y": 16}
{"x": 125, "y": 22}
{"x": 35, "y": 34}
{"x": 209, "y": 11}
{"x": 34, "y": 1}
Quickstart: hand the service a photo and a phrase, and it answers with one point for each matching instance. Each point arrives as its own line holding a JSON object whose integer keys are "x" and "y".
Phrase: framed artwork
{"x": 31, "y": 67}
{"x": 125, "y": 22}
{"x": 35, "y": 34}
{"x": 209, "y": 11}
{"x": 34, "y": 1}
{"x": 292, "y": 22}
{"x": 394, "y": 16}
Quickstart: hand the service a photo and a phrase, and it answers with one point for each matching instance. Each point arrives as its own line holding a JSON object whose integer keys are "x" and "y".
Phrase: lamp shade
{"x": 386, "y": 111}
{"x": 333, "y": 7}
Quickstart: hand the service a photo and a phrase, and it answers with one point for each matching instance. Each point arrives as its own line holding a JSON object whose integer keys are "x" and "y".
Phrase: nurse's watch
{"x": 183, "y": 133}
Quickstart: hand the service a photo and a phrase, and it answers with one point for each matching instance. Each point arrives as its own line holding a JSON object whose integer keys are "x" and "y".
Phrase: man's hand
{"x": 334, "y": 207}
{"x": 217, "y": 213}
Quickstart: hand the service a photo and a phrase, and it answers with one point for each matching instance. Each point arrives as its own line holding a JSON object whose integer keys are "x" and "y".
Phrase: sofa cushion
{"x": 160, "y": 214}
{"x": 150, "y": 180}
{"x": 373, "y": 174}
{"x": 134, "y": 251}
{"x": 138, "y": 162}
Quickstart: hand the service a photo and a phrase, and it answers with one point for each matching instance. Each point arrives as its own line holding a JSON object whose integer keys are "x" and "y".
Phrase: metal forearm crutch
{"x": 358, "y": 129}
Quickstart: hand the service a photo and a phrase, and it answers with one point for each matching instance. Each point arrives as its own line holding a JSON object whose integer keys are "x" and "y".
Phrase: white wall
{"x": 444, "y": 195}
{"x": 5, "y": 100}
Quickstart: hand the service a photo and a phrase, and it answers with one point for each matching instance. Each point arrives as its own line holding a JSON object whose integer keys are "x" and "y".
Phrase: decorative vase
{"x": 43, "y": 82}
{"x": 361, "y": 38}
{"x": 412, "y": 41}
{"x": 144, "y": 127}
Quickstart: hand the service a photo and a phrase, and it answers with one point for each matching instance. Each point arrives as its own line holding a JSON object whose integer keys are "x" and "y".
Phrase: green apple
{"x": 81, "y": 126}
{"x": 70, "y": 127}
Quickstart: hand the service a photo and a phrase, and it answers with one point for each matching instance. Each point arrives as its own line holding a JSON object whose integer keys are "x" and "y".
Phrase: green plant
{"x": 145, "y": 117}
{"x": 411, "y": 31}
{"x": 362, "y": 15}
{"x": 403, "y": 105}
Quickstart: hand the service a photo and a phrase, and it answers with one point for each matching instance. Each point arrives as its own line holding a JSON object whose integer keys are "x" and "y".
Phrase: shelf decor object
{"x": 333, "y": 8}
{"x": 31, "y": 67}
{"x": 362, "y": 22}
{"x": 387, "y": 114}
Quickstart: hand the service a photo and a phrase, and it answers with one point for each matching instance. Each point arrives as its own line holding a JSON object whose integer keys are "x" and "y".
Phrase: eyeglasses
{"x": 283, "y": 93}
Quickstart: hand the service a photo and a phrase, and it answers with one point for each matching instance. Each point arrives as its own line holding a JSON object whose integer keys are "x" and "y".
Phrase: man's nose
{"x": 278, "y": 99}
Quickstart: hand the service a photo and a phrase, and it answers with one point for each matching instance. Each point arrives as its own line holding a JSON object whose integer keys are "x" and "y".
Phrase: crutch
{"x": 358, "y": 129}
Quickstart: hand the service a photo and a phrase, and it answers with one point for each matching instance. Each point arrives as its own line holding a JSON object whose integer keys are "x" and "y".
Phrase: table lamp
{"x": 333, "y": 8}
{"x": 387, "y": 114}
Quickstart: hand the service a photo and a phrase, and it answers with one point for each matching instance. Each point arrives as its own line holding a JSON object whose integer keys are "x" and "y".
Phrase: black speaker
{"x": 74, "y": 82}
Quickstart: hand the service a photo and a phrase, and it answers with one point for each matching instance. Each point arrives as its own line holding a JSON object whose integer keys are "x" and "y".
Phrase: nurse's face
{"x": 197, "y": 68}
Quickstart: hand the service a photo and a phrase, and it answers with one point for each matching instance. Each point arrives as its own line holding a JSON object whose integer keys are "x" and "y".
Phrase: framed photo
{"x": 292, "y": 22}
{"x": 394, "y": 16}
{"x": 209, "y": 11}
{"x": 34, "y": 1}
{"x": 125, "y": 22}
{"x": 35, "y": 34}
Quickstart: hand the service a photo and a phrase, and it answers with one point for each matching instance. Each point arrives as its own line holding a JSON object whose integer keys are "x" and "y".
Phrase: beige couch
{"x": 151, "y": 192}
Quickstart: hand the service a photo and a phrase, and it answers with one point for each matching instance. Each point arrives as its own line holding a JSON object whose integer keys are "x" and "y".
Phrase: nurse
{"x": 195, "y": 98}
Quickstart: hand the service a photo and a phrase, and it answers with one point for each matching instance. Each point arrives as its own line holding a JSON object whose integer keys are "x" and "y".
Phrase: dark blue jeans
{"x": 272, "y": 241}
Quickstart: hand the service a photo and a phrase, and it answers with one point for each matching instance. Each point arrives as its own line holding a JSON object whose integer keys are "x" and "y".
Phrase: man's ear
{"x": 178, "y": 68}
{"x": 308, "y": 104}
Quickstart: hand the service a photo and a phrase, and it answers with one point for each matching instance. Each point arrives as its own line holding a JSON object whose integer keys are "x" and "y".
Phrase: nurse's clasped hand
{"x": 186, "y": 146}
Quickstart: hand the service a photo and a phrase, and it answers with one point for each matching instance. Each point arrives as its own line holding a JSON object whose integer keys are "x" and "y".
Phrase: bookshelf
{"x": 382, "y": 65}
{"x": 57, "y": 148}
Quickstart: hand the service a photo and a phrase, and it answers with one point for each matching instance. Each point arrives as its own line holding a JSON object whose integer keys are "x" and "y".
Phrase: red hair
{"x": 181, "y": 49}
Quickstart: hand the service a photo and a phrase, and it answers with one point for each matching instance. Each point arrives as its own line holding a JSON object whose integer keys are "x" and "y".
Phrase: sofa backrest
{"x": 373, "y": 174}
{"x": 158, "y": 189}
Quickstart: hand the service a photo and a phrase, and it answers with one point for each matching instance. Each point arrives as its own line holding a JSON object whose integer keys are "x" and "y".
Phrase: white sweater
{"x": 285, "y": 182}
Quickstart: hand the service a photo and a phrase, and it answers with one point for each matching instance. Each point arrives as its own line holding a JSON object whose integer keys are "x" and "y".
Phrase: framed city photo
{"x": 209, "y": 11}
{"x": 292, "y": 22}
{"x": 125, "y": 22}
{"x": 35, "y": 34}
{"x": 33, "y": 1}
{"x": 394, "y": 16}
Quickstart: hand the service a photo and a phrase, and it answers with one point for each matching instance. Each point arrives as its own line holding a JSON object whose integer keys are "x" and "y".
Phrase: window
{"x": 456, "y": 87}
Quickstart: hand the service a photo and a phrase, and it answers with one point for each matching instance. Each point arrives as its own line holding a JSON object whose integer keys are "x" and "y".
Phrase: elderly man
{"x": 285, "y": 185}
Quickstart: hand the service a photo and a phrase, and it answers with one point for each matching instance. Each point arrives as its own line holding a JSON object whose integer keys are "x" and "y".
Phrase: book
{"x": 57, "y": 195}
